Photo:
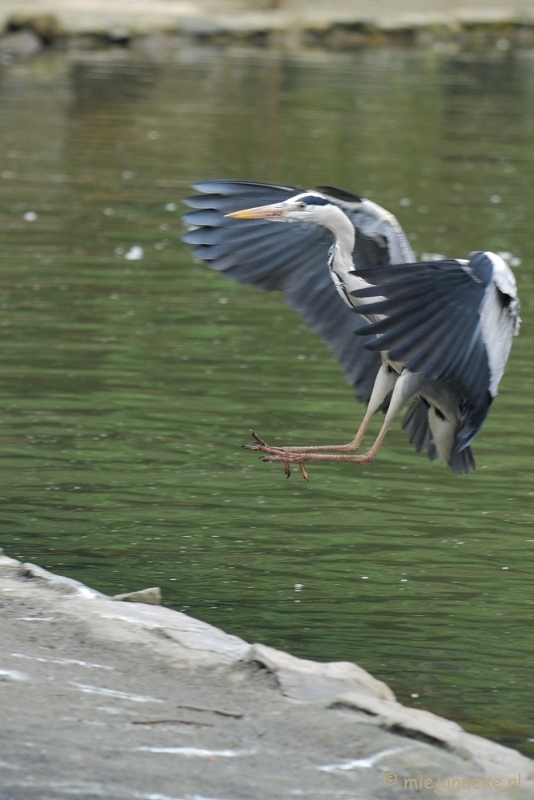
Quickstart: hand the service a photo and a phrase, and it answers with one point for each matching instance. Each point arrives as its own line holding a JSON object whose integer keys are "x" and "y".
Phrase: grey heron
{"x": 438, "y": 333}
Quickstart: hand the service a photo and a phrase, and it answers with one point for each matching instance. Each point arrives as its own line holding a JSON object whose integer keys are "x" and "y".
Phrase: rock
{"x": 311, "y": 680}
{"x": 151, "y": 597}
{"x": 5, "y": 561}
{"x": 45, "y": 26}
{"x": 358, "y": 737}
{"x": 23, "y": 44}
{"x": 417, "y": 723}
{"x": 58, "y": 582}
{"x": 119, "y": 34}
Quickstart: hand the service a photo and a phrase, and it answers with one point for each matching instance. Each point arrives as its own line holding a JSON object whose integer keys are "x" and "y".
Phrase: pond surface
{"x": 129, "y": 384}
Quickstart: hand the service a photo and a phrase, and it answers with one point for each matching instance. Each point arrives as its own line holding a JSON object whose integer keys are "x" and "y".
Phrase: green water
{"x": 128, "y": 386}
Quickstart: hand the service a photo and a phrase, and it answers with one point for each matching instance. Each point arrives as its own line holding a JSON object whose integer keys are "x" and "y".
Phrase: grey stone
{"x": 418, "y": 723}
{"x": 314, "y": 681}
{"x": 58, "y": 582}
{"x": 23, "y": 44}
{"x": 119, "y": 34}
{"x": 151, "y": 597}
{"x": 198, "y": 640}
{"x": 5, "y": 561}
{"x": 177, "y": 686}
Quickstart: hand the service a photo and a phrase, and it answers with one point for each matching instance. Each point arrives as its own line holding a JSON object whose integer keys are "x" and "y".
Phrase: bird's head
{"x": 304, "y": 207}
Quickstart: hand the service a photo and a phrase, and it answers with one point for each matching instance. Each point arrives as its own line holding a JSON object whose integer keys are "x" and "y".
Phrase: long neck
{"x": 342, "y": 263}
{"x": 343, "y": 229}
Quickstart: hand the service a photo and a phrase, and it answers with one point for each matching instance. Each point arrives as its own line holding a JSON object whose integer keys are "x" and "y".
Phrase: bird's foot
{"x": 289, "y": 455}
{"x": 262, "y": 446}
{"x": 278, "y": 454}
{"x": 287, "y": 459}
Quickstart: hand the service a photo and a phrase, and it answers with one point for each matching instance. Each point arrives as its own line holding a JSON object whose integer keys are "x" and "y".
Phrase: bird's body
{"x": 442, "y": 330}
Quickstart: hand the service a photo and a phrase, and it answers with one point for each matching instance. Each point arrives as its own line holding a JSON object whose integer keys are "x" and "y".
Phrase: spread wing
{"x": 293, "y": 258}
{"x": 435, "y": 322}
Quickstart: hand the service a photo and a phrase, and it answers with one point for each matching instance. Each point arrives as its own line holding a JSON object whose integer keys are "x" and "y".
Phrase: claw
{"x": 262, "y": 446}
{"x": 260, "y": 443}
{"x": 276, "y": 454}
{"x": 279, "y": 458}
{"x": 303, "y": 471}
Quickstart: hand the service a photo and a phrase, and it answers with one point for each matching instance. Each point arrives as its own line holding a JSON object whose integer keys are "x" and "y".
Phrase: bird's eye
{"x": 302, "y": 205}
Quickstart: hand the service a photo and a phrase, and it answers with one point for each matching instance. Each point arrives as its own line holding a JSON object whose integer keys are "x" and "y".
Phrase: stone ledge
{"x": 187, "y": 643}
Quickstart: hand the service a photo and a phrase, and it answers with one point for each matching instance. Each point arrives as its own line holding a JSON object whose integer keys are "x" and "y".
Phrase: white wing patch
{"x": 383, "y": 223}
{"x": 499, "y": 321}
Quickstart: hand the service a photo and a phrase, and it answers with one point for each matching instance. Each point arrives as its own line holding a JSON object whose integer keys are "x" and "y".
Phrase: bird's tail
{"x": 462, "y": 462}
{"x": 416, "y": 425}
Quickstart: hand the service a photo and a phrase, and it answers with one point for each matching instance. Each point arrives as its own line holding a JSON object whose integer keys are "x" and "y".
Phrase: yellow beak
{"x": 261, "y": 212}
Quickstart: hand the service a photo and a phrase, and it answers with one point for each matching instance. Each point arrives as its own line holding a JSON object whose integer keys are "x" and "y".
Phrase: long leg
{"x": 384, "y": 383}
{"x": 405, "y": 388}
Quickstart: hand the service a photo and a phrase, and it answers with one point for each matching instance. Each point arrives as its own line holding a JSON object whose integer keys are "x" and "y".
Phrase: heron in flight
{"x": 438, "y": 333}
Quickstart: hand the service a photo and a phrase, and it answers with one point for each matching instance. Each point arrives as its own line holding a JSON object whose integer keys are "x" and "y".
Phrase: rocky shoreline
{"x": 283, "y": 24}
{"x": 104, "y": 698}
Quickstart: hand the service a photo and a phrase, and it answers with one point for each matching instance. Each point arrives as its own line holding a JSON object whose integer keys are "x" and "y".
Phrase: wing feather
{"x": 293, "y": 259}
{"x": 438, "y": 331}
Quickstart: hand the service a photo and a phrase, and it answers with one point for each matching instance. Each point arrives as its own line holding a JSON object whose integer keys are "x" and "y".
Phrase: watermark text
{"x": 438, "y": 784}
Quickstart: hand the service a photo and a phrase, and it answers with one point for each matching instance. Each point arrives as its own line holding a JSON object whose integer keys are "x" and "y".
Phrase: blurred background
{"x": 130, "y": 374}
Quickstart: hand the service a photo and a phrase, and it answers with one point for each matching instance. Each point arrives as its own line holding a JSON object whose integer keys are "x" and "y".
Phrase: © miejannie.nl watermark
{"x": 439, "y": 784}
